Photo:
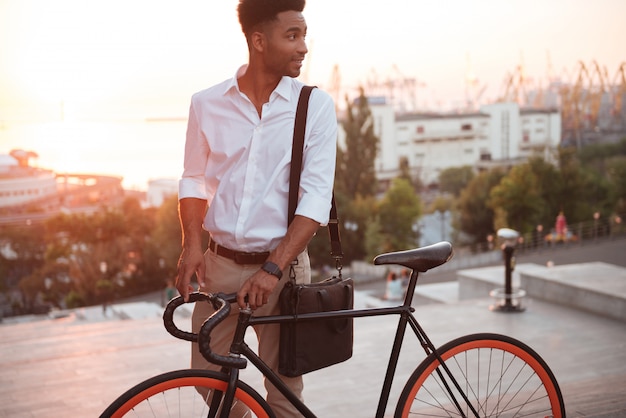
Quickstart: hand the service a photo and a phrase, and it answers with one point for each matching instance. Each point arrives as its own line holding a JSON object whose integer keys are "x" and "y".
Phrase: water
{"x": 137, "y": 150}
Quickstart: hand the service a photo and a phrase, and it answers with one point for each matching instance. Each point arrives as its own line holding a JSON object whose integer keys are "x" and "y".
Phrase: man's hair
{"x": 255, "y": 12}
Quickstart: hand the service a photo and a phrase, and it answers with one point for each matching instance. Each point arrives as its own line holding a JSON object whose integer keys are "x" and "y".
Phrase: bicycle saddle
{"x": 419, "y": 259}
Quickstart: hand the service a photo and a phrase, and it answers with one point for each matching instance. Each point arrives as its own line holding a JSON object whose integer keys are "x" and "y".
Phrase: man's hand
{"x": 258, "y": 288}
{"x": 191, "y": 212}
{"x": 190, "y": 262}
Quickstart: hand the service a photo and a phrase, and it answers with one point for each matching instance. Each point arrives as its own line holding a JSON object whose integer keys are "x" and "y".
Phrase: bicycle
{"x": 481, "y": 375}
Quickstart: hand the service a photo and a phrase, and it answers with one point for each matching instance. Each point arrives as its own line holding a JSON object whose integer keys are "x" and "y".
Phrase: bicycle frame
{"x": 405, "y": 311}
{"x": 522, "y": 381}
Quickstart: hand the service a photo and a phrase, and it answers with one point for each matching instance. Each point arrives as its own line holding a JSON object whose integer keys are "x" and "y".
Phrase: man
{"x": 235, "y": 182}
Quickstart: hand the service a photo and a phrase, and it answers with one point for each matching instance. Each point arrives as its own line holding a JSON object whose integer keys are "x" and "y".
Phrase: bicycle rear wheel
{"x": 501, "y": 377}
{"x": 177, "y": 394}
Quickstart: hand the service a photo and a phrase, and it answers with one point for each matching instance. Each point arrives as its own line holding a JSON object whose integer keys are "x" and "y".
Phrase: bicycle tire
{"x": 501, "y": 376}
{"x": 174, "y": 394}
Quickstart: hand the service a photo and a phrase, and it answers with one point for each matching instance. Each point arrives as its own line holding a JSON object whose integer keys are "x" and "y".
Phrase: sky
{"x": 73, "y": 72}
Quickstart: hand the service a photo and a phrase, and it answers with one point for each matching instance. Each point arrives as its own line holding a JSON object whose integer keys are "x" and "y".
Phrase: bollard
{"x": 508, "y": 299}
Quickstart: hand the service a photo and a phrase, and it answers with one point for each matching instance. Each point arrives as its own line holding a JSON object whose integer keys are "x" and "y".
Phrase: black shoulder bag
{"x": 308, "y": 345}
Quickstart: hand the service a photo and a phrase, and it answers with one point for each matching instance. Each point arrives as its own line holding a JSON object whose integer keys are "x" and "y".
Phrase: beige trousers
{"x": 224, "y": 275}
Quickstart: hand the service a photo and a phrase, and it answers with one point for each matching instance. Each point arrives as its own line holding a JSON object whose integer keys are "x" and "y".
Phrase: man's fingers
{"x": 183, "y": 282}
{"x": 200, "y": 275}
{"x": 241, "y": 300}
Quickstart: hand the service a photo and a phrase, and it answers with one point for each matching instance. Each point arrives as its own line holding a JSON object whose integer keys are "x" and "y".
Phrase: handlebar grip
{"x": 221, "y": 304}
{"x": 168, "y": 315}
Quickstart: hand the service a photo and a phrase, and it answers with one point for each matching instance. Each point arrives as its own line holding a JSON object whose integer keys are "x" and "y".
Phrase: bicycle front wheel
{"x": 500, "y": 376}
{"x": 186, "y": 393}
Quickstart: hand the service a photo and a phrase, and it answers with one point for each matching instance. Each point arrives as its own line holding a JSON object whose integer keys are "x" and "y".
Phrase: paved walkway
{"x": 76, "y": 365}
{"x": 67, "y": 367}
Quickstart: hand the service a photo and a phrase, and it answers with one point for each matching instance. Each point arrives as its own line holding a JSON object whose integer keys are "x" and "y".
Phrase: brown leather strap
{"x": 297, "y": 148}
{"x": 238, "y": 257}
{"x": 296, "y": 169}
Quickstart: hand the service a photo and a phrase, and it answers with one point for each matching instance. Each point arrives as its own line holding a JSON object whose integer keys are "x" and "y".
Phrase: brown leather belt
{"x": 238, "y": 257}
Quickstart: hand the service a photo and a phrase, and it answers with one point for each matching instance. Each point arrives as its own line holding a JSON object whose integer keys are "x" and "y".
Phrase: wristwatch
{"x": 272, "y": 269}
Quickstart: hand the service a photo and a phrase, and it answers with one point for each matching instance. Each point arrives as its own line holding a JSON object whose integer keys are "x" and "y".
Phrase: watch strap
{"x": 272, "y": 269}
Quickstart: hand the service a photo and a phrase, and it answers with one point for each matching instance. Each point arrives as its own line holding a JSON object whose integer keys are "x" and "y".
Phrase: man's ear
{"x": 257, "y": 41}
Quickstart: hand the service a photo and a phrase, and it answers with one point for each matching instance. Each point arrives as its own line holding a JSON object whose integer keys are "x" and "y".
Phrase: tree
{"x": 355, "y": 173}
{"x": 602, "y": 163}
{"x": 582, "y": 191}
{"x": 83, "y": 252}
{"x": 617, "y": 174}
{"x": 398, "y": 211}
{"x": 166, "y": 240}
{"x": 549, "y": 184}
{"x": 355, "y": 180}
{"x": 360, "y": 212}
{"x": 517, "y": 200}
{"x": 474, "y": 217}
{"x": 453, "y": 180}
{"x": 23, "y": 252}
{"x": 405, "y": 173}
{"x": 374, "y": 239}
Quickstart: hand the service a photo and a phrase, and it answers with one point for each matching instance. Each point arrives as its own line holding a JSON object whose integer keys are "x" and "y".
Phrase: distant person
{"x": 561, "y": 226}
{"x": 394, "y": 287}
{"x": 169, "y": 292}
{"x": 405, "y": 276}
{"x": 235, "y": 182}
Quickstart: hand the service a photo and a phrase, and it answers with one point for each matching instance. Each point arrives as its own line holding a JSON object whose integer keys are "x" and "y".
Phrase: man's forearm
{"x": 191, "y": 212}
{"x": 299, "y": 233}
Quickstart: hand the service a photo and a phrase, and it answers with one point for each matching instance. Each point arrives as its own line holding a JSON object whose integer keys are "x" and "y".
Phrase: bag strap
{"x": 297, "y": 152}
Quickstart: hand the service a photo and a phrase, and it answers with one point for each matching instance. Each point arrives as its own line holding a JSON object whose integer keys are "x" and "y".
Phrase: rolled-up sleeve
{"x": 318, "y": 171}
{"x": 192, "y": 182}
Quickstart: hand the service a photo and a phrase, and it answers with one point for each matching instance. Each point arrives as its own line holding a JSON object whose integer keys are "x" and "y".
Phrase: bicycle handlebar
{"x": 221, "y": 304}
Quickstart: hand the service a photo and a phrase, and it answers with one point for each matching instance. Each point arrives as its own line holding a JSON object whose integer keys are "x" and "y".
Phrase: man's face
{"x": 285, "y": 44}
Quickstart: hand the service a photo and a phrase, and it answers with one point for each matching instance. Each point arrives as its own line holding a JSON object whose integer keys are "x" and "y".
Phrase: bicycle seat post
{"x": 410, "y": 290}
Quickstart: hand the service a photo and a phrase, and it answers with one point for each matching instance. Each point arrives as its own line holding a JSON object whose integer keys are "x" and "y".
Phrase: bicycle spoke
{"x": 186, "y": 393}
{"x": 498, "y": 376}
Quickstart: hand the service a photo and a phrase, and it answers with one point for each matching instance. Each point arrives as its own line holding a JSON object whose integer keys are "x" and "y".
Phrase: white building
{"x": 499, "y": 134}
{"x": 161, "y": 189}
{"x": 21, "y": 184}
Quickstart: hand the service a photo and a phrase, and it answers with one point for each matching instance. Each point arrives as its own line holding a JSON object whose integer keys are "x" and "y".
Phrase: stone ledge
{"x": 477, "y": 283}
{"x": 593, "y": 287}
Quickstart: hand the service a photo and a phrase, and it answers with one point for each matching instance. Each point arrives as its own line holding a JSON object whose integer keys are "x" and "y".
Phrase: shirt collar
{"x": 283, "y": 89}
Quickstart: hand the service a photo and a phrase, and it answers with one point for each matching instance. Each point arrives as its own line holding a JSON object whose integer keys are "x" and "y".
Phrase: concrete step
{"x": 594, "y": 287}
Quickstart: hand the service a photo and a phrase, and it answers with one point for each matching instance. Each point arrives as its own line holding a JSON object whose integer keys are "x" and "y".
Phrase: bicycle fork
{"x": 239, "y": 348}
{"x": 228, "y": 396}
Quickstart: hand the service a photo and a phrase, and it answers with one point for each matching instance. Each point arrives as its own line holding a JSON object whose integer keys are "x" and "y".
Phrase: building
{"x": 499, "y": 134}
{"x": 29, "y": 193}
{"x": 161, "y": 189}
{"x": 21, "y": 184}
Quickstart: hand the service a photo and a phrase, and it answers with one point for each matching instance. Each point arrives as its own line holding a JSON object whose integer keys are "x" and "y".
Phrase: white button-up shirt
{"x": 239, "y": 162}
